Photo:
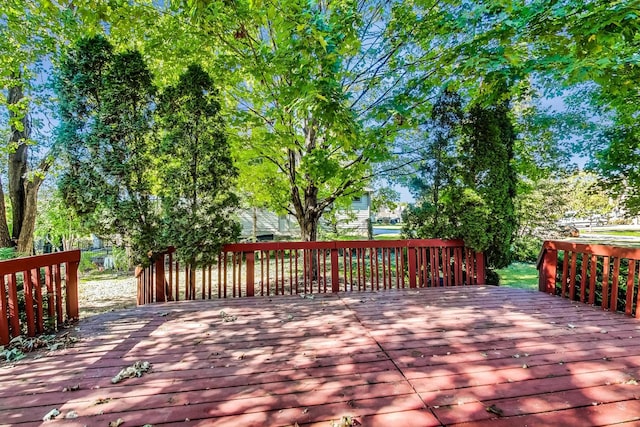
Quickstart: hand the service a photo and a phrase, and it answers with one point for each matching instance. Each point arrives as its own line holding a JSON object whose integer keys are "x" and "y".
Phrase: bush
{"x": 7, "y": 253}
{"x": 526, "y": 248}
{"x": 120, "y": 260}
{"x": 493, "y": 278}
{"x": 86, "y": 263}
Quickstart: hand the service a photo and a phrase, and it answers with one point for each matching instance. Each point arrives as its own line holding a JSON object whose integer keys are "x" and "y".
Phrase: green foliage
{"x": 120, "y": 259}
{"x": 106, "y": 107}
{"x": 57, "y": 223}
{"x": 467, "y": 185}
{"x": 384, "y": 197}
{"x": 526, "y": 248}
{"x": 7, "y": 253}
{"x": 196, "y": 172}
{"x": 489, "y": 169}
{"x": 86, "y": 264}
{"x": 153, "y": 184}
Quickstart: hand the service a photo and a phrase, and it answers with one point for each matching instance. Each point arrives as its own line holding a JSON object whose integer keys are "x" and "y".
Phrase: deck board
{"x": 423, "y": 357}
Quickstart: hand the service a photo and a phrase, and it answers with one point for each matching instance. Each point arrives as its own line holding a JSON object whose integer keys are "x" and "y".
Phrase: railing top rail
{"x": 374, "y": 244}
{"x": 599, "y": 250}
{"x": 27, "y": 263}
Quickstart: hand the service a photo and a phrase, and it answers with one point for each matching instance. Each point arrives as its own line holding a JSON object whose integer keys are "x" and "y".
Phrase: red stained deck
{"x": 438, "y": 356}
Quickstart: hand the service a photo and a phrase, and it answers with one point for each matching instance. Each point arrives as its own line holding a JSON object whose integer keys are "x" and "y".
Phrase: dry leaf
{"x": 495, "y": 410}
{"x": 227, "y": 317}
{"x": 51, "y": 415}
{"x": 116, "y": 423}
{"x": 136, "y": 370}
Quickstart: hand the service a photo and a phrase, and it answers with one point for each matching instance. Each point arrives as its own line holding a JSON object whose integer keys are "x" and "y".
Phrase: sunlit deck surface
{"x": 444, "y": 356}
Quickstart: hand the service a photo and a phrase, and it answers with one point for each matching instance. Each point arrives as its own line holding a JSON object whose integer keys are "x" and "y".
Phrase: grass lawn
{"x": 627, "y": 233}
{"x": 387, "y": 237}
{"x": 519, "y": 275}
{"x": 388, "y": 226}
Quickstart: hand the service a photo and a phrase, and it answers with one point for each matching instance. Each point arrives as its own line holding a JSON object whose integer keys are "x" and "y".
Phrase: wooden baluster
{"x": 58, "y": 290}
{"x": 614, "y": 287}
{"x": 628, "y": 307}
{"x": 605, "y": 283}
{"x": 36, "y": 280}
{"x": 28, "y": 303}
{"x": 250, "y": 270}
{"x": 592, "y": 279}
{"x": 565, "y": 273}
{"x": 583, "y": 278}
{"x": 572, "y": 276}
{"x": 4, "y": 321}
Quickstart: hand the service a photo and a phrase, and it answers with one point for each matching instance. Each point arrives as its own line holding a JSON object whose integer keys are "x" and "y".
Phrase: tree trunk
{"x": 25, "y": 239}
{"x": 17, "y": 159}
{"x": 255, "y": 224}
{"x": 5, "y": 237}
{"x": 309, "y": 227}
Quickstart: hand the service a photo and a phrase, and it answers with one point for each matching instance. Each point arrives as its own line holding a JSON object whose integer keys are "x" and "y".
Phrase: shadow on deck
{"x": 438, "y": 356}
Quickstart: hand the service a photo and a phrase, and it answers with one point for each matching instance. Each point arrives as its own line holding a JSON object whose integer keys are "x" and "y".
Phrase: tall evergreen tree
{"x": 468, "y": 186}
{"x": 106, "y": 110}
{"x": 487, "y": 156}
{"x": 196, "y": 171}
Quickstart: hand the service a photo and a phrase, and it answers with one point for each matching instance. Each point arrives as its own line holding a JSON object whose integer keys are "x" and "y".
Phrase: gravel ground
{"x": 103, "y": 292}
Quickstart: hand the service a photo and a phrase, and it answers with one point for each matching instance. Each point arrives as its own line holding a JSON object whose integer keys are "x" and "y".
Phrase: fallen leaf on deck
{"x": 631, "y": 381}
{"x": 136, "y": 370}
{"x": 71, "y": 415}
{"x": 72, "y": 388}
{"x": 227, "y": 317}
{"x": 571, "y": 326}
{"x": 495, "y": 410}
{"x": 102, "y": 401}
{"x": 525, "y": 366}
{"x": 116, "y": 423}
{"x": 51, "y": 415}
{"x": 345, "y": 421}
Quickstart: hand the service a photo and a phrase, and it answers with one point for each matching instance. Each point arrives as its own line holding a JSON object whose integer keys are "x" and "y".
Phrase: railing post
{"x": 72, "y": 289}
{"x": 138, "y": 274}
{"x": 547, "y": 271}
{"x": 160, "y": 282}
{"x": 335, "y": 271}
{"x": 480, "y": 269}
{"x": 411, "y": 254}
{"x": 251, "y": 258}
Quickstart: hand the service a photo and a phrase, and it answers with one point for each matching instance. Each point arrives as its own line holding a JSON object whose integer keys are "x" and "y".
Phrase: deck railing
{"x": 600, "y": 275}
{"x": 38, "y": 293}
{"x": 287, "y": 268}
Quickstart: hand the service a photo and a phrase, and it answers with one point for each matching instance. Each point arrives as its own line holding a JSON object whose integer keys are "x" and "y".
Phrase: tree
{"x": 437, "y": 169}
{"x": 488, "y": 159}
{"x": 57, "y": 225}
{"x": 469, "y": 187}
{"x": 322, "y": 89}
{"x": 31, "y": 36}
{"x": 106, "y": 108}
{"x": 196, "y": 172}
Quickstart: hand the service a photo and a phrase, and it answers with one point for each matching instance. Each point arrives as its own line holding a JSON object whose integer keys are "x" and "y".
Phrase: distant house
{"x": 390, "y": 216}
{"x": 271, "y": 226}
{"x": 268, "y": 225}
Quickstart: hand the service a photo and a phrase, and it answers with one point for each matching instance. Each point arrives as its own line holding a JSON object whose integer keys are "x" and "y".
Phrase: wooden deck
{"x": 439, "y": 356}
